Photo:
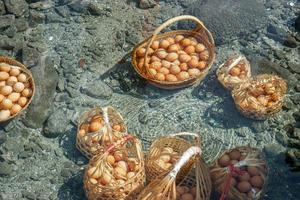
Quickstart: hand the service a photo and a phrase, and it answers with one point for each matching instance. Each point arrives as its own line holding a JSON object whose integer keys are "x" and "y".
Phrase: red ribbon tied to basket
{"x": 124, "y": 139}
{"x": 232, "y": 171}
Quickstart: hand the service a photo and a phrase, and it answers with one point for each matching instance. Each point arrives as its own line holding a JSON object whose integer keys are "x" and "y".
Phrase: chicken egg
{"x": 1, "y": 97}
{"x": 173, "y": 48}
{"x": 184, "y": 58}
{"x": 164, "y": 70}
{"x": 252, "y": 170}
{"x": 183, "y": 76}
{"x": 174, "y": 69}
{"x": 244, "y": 186}
{"x": 11, "y": 80}
{"x": 6, "y": 104}
{"x": 119, "y": 173}
{"x": 22, "y": 101}
{"x": 235, "y": 71}
{"x": 3, "y": 76}
{"x": 204, "y": 55}
{"x": 160, "y": 77}
{"x": 93, "y": 181}
{"x": 201, "y": 65}
{"x": 194, "y": 72}
{"x": 199, "y": 48}
{"x": 14, "y": 71}
{"x": 235, "y": 154}
{"x": 183, "y": 67}
{"x": 110, "y": 159}
{"x": 155, "y": 65}
{"x": 22, "y": 77}
{"x": 178, "y": 38}
{"x": 152, "y": 71}
{"x": 15, "y": 109}
{"x": 193, "y": 63}
{"x": 154, "y": 59}
{"x": 6, "y": 90}
{"x": 14, "y": 96}
{"x": 155, "y": 45}
{"x": 224, "y": 160}
{"x": 161, "y": 53}
{"x": 170, "y": 40}
{"x": 27, "y": 92}
{"x": 2, "y": 83}
{"x": 141, "y": 52}
{"x": 172, "y": 57}
{"x": 95, "y": 126}
{"x": 166, "y": 64}
{"x": 256, "y": 181}
{"x": 18, "y": 87}
{"x": 105, "y": 179}
{"x": 189, "y": 49}
{"x": 123, "y": 165}
{"x": 4, "y": 115}
{"x": 185, "y": 42}
{"x": 164, "y": 44}
{"x": 4, "y": 67}
{"x": 171, "y": 78}
{"x": 118, "y": 156}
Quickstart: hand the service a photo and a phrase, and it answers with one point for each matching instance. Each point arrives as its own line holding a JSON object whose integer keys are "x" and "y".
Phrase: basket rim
{"x": 194, "y": 32}
{"x": 11, "y": 61}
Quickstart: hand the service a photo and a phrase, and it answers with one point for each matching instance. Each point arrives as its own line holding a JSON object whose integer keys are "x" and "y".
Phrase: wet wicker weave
{"x": 24, "y": 70}
{"x": 178, "y": 144}
{"x": 224, "y": 77}
{"x": 247, "y": 105}
{"x": 129, "y": 188}
{"x": 201, "y": 33}
{"x": 254, "y": 157}
{"x": 92, "y": 142}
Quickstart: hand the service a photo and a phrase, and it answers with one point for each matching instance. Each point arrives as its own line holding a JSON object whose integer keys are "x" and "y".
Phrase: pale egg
{"x": 4, "y": 67}
{"x": 18, "y": 87}
{"x": 193, "y": 63}
{"x": 185, "y": 42}
{"x": 155, "y": 65}
{"x": 189, "y": 49}
{"x": 14, "y": 71}
{"x": 152, "y": 71}
{"x": 194, "y": 72}
{"x": 22, "y": 101}
{"x": 171, "y": 78}
{"x": 1, "y": 97}
{"x": 199, "y": 48}
{"x": 6, "y": 104}
{"x": 15, "y": 109}
{"x": 155, "y": 45}
{"x": 11, "y": 80}
{"x": 22, "y": 77}
{"x": 27, "y": 92}
{"x": 141, "y": 52}
{"x": 164, "y": 70}
{"x": 161, "y": 53}
{"x": 6, "y": 90}
{"x": 2, "y": 83}
{"x": 172, "y": 57}
{"x": 4, "y": 115}
{"x": 183, "y": 76}
{"x": 160, "y": 77}
{"x": 3, "y": 76}
{"x": 178, "y": 38}
{"x": 184, "y": 58}
{"x": 164, "y": 44}
{"x": 14, "y": 96}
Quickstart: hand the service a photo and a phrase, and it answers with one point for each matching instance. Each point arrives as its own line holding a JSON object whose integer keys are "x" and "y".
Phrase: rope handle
{"x": 197, "y": 137}
{"x": 199, "y": 23}
{"x": 186, "y": 156}
{"x": 124, "y": 139}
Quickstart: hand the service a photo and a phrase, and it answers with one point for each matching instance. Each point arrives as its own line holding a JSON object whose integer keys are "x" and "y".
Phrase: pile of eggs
{"x": 121, "y": 170}
{"x": 95, "y": 125}
{"x": 261, "y": 95}
{"x": 166, "y": 158}
{"x": 185, "y": 193}
{"x": 250, "y": 182}
{"x": 174, "y": 59}
{"x": 15, "y": 90}
{"x": 239, "y": 70}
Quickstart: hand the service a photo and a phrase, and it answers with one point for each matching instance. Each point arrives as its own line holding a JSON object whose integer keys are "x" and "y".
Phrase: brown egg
{"x": 2, "y": 83}
{"x": 18, "y": 87}
{"x": 178, "y": 38}
{"x": 187, "y": 196}
{"x": 176, "y": 62}
{"x": 141, "y": 62}
{"x": 263, "y": 100}
{"x": 183, "y": 76}
{"x": 160, "y": 77}
{"x": 15, "y": 109}
{"x": 150, "y": 52}
{"x": 270, "y": 104}
{"x": 204, "y": 55}
{"x": 14, "y": 96}
{"x": 172, "y": 57}
{"x": 174, "y": 69}
{"x": 6, "y": 104}
{"x": 154, "y": 59}
{"x": 110, "y": 159}
{"x": 155, "y": 45}
{"x": 199, "y": 48}
{"x": 117, "y": 127}
{"x": 270, "y": 90}
{"x": 183, "y": 67}
{"x": 193, "y": 63}
{"x": 4, "y": 67}
{"x": 4, "y": 115}
{"x": 6, "y": 90}
{"x": 93, "y": 181}
{"x": 1, "y": 97}
{"x": 257, "y": 91}
{"x": 180, "y": 190}
{"x": 193, "y": 191}
{"x": 118, "y": 156}
{"x": 22, "y": 101}
{"x": 105, "y": 179}
{"x": 166, "y": 64}
{"x": 275, "y": 97}
{"x": 95, "y": 126}
{"x": 244, "y": 177}
{"x": 224, "y": 160}
{"x": 131, "y": 165}
{"x": 141, "y": 52}
{"x": 233, "y": 162}
{"x": 256, "y": 181}
{"x": 164, "y": 70}
{"x": 185, "y": 42}
{"x": 171, "y": 78}
{"x": 22, "y": 77}
{"x": 161, "y": 53}
{"x": 11, "y": 80}
{"x": 201, "y": 65}
{"x": 164, "y": 44}
{"x": 235, "y": 154}
{"x": 81, "y": 132}
{"x": 194, "y": 72}
{"x": 3, "y": 76}
{"x": 152, "y": 71}
{"x": 123, "y": 165}
{"x": 27, "y": 92}
{"x": 155, "y": 65}
{"x": 184, "y": 58}
{"x": 194, "y": 41}
{"x": 189, "y": 49}
{"x": 14, "y": 72}
{"x": 235, "y": 71}
{"x": 170, "y": 40}
{"x": 244, "y": 186}
{"x": 253, "y": 171}
{"x": 173, "y": 48}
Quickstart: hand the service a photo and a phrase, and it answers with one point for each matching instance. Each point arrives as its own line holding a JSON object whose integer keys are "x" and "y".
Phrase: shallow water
{"x": 37, "y": 150}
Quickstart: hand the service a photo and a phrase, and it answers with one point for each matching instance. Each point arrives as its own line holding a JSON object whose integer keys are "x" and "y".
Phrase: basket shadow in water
{"x": 68, "y": 143}
{"x": 72, "y": 189}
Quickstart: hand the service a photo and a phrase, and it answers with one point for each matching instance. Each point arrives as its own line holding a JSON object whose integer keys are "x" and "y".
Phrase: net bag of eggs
{"x": 175, "y": 59}
{"x": 234, "y": 71}
{"x": 165, "y": 151}
{"x": 240, "y": 173}
{"x": 17, "y": 88}
{"x": 118, "y": 173}
{"x": 195, "y": 186}
{"x": 98, "y": 128}
{"x": 260, "y": 97}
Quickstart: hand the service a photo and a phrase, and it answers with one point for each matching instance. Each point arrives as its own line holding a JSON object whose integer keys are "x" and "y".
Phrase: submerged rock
{"x": 56, "y": 124}
{"x": 5, "y": 169}
{"x": 145, "y": 4}
{"x": 46, "y": 79}
{"x": 2, "y": 8}
{"x": 230, "y": 19}
{"x": 290, "y": 42}
{"x": 98, "y": 89}
{"x": 17, "y": 7}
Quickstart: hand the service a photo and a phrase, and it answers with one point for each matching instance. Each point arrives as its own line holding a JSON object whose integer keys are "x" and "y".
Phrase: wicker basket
{"x": 102, "y": 180}
{"x": 31, "y": 82}
{"x": 90, "y": 143}
{"x": 201, "y": 33}
{"x": 250, "y": 157}
{"x": 226, "y": 78}
{"x": 164, "y": 186}
{"x": 249, "y": 105}
{"x": 178, "y": 146}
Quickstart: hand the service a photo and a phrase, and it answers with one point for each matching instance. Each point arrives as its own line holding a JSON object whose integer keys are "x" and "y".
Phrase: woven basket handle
{"x": 119, "y": 142}
{"x": 196, "y": 136}
{"x": 186, "y": 156}
{"x": 199, "y": 23}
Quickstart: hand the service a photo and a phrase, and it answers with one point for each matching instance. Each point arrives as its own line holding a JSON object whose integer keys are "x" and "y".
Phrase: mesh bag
{"x": 97, "y": 129}
{"x": 260, "y": 97}
{"x": 196, "y": 185}
{"x": 234, "y": 71}
{"x": 154, "y": 52}
{"x": 118, "y": 173}
{"x": 165, "y": 151}
{"x": 240, "y": 173}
